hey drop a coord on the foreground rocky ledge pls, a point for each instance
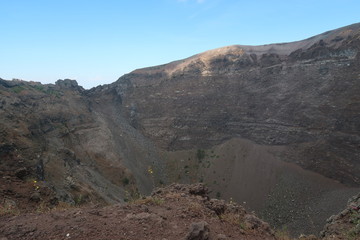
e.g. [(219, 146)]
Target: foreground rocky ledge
[(174, 212)]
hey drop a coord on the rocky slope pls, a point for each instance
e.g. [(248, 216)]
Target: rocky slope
[(79, 147), (346, 224), (291, 102), (275, 127), (174, 212)]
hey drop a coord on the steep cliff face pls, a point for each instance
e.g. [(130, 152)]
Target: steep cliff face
[(302, 95), (77, 146)]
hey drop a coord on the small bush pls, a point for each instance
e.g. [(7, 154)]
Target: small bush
[(17, 89), (39, 88), (218, 195), (79, 199), (13, 211), (200, 154), (354, 232), (234, 219), (283, 234), (125, 181)]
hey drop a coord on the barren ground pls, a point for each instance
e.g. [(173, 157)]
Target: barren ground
[(170, 213)]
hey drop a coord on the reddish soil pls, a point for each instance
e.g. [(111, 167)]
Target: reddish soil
[(174, 212), (24, 195)]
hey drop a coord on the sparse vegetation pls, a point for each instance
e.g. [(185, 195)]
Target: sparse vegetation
[(132, 195), (233, 218), (150, 170), (157, 201), (9, 210), (218, 195), (201, 179), (46, 90), (62, 206), (125, 181), (148, 200), (354, 232), (200, 154), (17, 89), (42, 208), (282, 234), (354, 217), (39, 88), (196, 209), (79, 199)]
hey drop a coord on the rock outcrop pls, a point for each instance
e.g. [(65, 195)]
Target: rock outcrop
[(346, 224)]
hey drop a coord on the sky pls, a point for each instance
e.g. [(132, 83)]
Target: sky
[(97, 41)]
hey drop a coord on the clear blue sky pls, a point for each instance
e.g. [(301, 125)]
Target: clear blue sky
[(97, 41)]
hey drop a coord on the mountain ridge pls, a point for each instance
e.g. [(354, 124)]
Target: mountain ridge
[(286, 48)]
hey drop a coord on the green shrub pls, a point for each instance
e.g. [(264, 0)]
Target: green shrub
[(125, 181), (200, 154), (17, 89), (39, 88)]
